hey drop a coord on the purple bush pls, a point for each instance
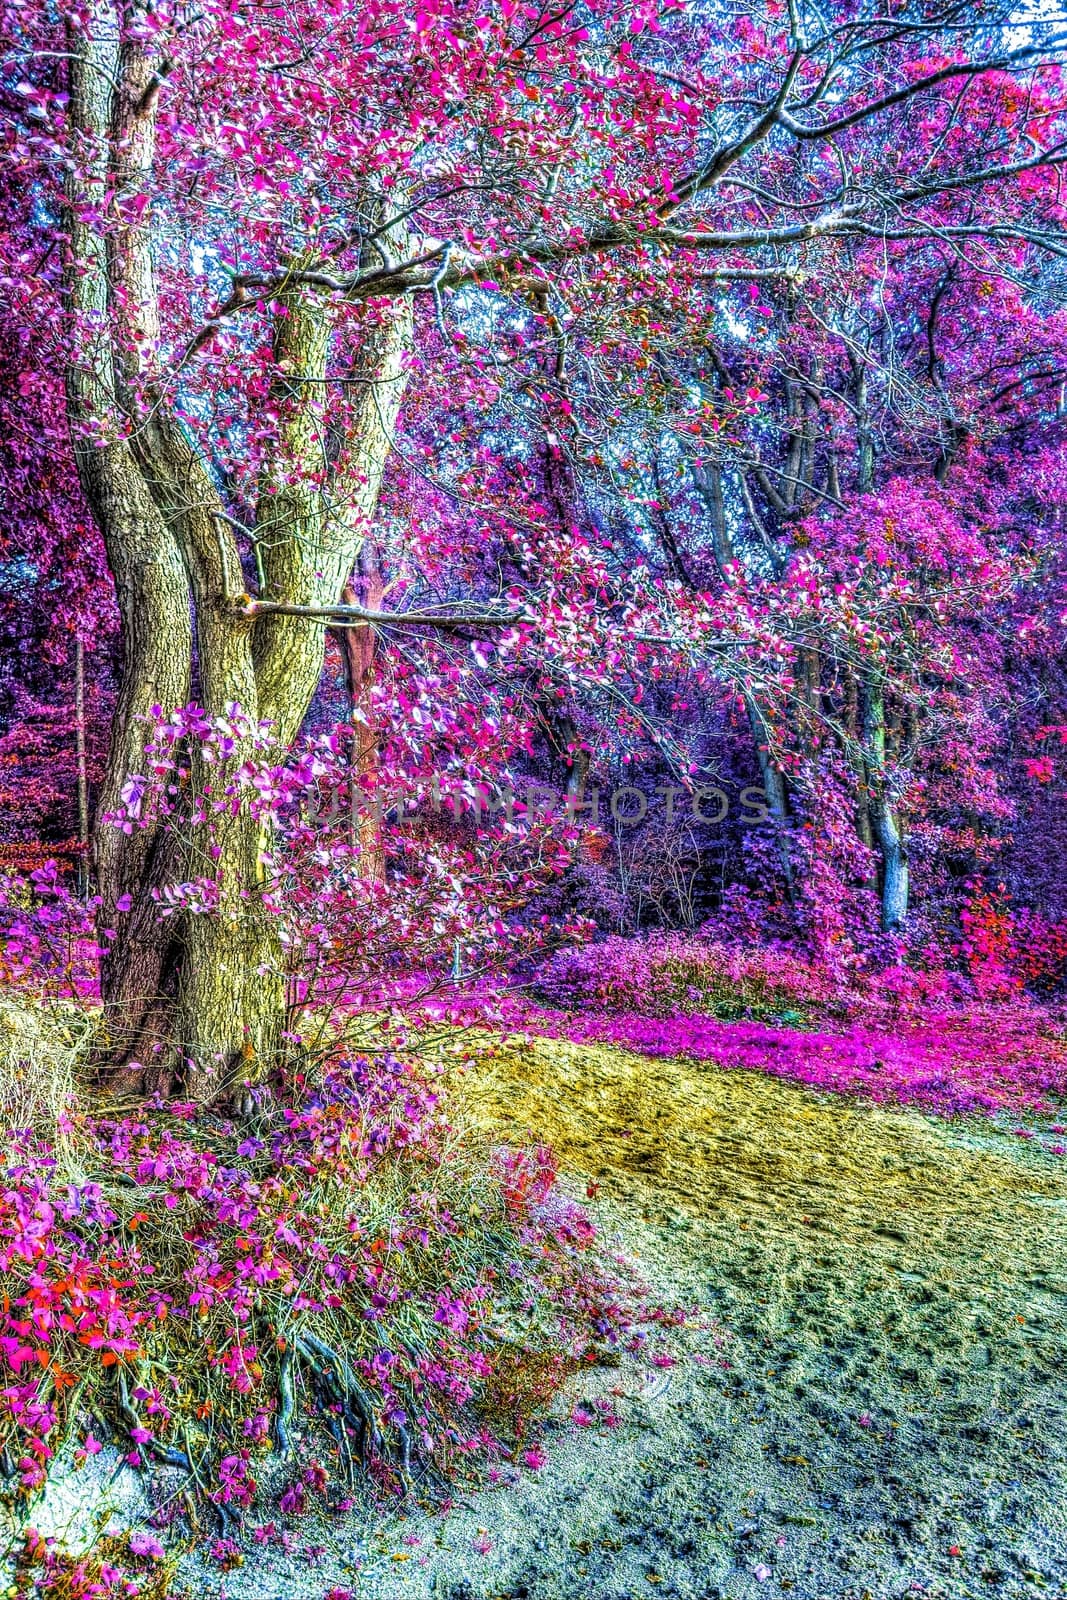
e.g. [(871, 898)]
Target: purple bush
[(676, 974)]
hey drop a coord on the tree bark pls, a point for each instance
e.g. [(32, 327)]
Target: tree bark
[(198, 995), (576, 759), (358, 652), (774, 790), (81, 763), (229, 1017), (150, 581), (884, 822)]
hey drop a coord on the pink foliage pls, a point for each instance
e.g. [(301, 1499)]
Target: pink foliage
[(675, 974), (980, 1061), (930, 1037)]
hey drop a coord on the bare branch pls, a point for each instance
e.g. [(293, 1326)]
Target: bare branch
[(351, 616)]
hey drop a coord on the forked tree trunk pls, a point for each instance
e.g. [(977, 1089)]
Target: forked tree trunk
[(198, 995)]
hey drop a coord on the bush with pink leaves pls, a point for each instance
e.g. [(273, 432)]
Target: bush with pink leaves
[(676, 974)]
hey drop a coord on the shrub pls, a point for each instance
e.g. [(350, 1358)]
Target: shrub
[(1040, 951), (348, 1266), (673, 974), (47, 933), (40, 1046), (114, 1569)]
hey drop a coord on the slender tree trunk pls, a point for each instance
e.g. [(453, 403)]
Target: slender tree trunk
[(82, 768), (864, 436), (896, 875), (774, 790), (358, 652), (707, 481), (885, 825), (710, 487), (833, 475), (857, 761)]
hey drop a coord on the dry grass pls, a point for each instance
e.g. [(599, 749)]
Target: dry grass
[(42, 1044)]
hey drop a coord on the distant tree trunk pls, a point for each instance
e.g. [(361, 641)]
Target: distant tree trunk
[(707, 480), (858, 764), (864, 436), (884, 823), (709, 485), (358, 654), (81, 764), (563, 491), (895, 874), (775, 793)]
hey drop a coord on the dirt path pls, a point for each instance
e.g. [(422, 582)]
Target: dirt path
[(893, 1291), (899, 1288)]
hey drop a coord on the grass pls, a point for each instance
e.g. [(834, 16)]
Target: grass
[(41, 1047)]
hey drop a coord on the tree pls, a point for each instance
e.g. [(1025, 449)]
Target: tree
[(893, 397), (275, 224)]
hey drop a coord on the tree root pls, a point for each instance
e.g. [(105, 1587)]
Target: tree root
[(164, 1453), (347, 1409), (286, 1407), (346, 1389), (184, 1460)]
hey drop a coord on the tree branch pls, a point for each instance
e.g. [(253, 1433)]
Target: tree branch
[(351, 616)]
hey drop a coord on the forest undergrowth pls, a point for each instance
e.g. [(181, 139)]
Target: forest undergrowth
[(342, 1287)]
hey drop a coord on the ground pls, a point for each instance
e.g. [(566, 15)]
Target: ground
[(869, 1399)]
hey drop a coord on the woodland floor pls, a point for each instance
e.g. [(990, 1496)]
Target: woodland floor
[(890, 1291)]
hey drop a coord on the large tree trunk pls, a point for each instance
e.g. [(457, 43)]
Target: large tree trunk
[(139, 962), (82, 764), (202, 995), (230, 1002), (146, 564)]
